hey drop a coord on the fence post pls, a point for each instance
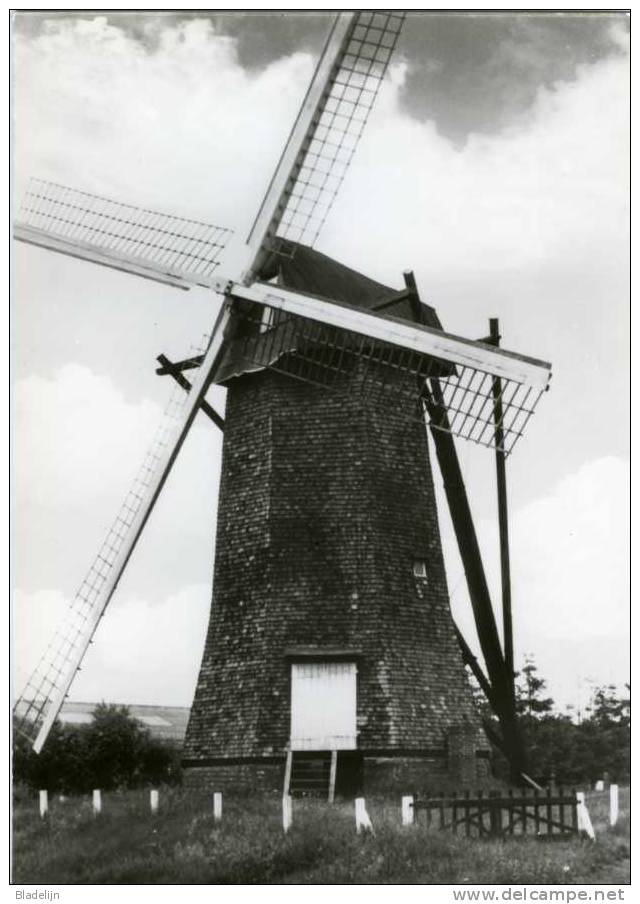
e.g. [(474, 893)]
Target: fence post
[(584, 820), (44, 803), (333, 770), (217, 806), (495, 815), (613, 805), (407, 810), (287, 812), (153, 800), (97, 802), (363, 822)]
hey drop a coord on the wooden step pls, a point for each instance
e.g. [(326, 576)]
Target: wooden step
[(310, 774)]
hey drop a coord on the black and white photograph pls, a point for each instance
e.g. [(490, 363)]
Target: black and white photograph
[(320, 450)]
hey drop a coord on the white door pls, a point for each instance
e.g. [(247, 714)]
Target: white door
[(323, 706)]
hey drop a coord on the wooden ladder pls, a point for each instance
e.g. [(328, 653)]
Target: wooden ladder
[(311, 773)]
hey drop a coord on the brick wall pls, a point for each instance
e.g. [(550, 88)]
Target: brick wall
[(426, 774), (325, 502), (461, 744), (237, 779)]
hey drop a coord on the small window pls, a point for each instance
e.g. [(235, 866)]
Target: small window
[(420, 569)]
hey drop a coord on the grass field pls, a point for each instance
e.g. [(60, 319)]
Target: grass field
[(182, 845)]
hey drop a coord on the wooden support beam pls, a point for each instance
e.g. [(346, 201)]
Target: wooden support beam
[(168, 367), (391, 300), (466, 536), (498, 686), (186, 364), (494, 736), (414, 298), (474, 665), (502, 700), (503, 520)]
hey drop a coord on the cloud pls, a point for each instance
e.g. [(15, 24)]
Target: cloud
[(177, 128), (145, 651), (570, 577), (72, 429), (483, 71), (36, 617), (187, 128), (571, 555), (79, 444), (551, 185)]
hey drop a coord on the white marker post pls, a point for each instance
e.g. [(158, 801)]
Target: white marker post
[(287, 812), (613, 805), (599, 785), (584, 820), (217, 806), (44, 804), (97, 802), (363, 823), (407, 810), (154, 800)]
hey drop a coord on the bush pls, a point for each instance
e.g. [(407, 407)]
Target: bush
[(558, 746), (114, 751)]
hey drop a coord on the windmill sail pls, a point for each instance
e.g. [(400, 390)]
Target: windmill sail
[(45, 692), (158, 246), (326, 132), (318, 340)]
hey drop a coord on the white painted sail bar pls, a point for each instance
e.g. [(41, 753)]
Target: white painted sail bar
[(156, 482), (86, 252), (422, 339), (272, 207), (159, 246), (326, 133)]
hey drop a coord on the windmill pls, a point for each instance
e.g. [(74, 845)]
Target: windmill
[(331, 644)]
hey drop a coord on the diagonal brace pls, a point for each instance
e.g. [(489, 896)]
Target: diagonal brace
[(171, 367), (478, 673), (168, 367)]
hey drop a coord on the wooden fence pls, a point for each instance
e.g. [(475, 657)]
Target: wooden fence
[(551, 813)]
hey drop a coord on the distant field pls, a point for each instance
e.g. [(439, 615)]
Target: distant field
[(182, 845)]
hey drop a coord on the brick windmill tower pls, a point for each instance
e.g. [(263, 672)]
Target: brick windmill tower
[(331, 657)]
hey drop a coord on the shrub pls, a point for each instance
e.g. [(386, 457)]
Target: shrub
[(113, 751)]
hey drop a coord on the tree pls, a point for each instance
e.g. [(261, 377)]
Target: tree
[(113, 751), (560, 747), (529, 689), (116, 743), (607, 708)]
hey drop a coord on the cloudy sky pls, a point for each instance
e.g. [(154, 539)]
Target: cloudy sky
[(495, 166)]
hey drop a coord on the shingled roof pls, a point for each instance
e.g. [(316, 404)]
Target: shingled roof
[(307, 271)]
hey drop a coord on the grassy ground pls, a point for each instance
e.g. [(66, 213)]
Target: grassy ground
[(182, 845)]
